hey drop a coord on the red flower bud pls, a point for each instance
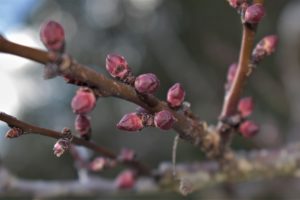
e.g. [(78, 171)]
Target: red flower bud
[(164, 120), (270, 43), (14, 132), (130, 122), (236, 3), (146, 83), (231, 72), (248, 129), (246, 106), (230, 75), (126, 155), (61, 146), (176, 95), (125, 180), (84, 101), (254, 13), (53, 36), (83, 126), (117, 66), (264, 48), (98, 164)]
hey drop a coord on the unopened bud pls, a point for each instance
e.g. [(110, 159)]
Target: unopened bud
[(164, 120), (246, 106), (83, 126), (131, 122), (126, 155), (84, 101), (176, 95), (264, 48), (98, 164), (231, 72), (236, 3), (125, 180), (254, 13), (231, 75), (248, 129), (146, 83), (14, 132), (53, 36), (117, 66), (61, 146)]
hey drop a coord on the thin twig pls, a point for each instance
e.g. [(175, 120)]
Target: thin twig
[(255, 165), (28, 128), (233, 96)]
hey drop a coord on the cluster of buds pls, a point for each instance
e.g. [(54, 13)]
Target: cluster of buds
[(136, 121), (83, 103), (148, 83), (264, 48), (63, 143), (118, 68), (247, 128)]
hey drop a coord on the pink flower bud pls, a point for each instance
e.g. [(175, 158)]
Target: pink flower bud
[(236, 3), (84, 101), (125, 180), (248, 129), (270, 43), (254, 13), (126, 155), (83, 126), (164, 120), (246, 106), (264, 48), (231, 72), (231, 75), (130, 122), (14, 132), (61, 146), (98, 164), (146, 83), (176, 95), (117, 66), (53, 36)]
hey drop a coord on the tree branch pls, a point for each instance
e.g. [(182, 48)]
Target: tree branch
[(255, 165), (189, 129), (28, 128), (233, 96)]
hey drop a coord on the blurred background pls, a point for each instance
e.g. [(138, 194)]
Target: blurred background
[(192, 42)]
